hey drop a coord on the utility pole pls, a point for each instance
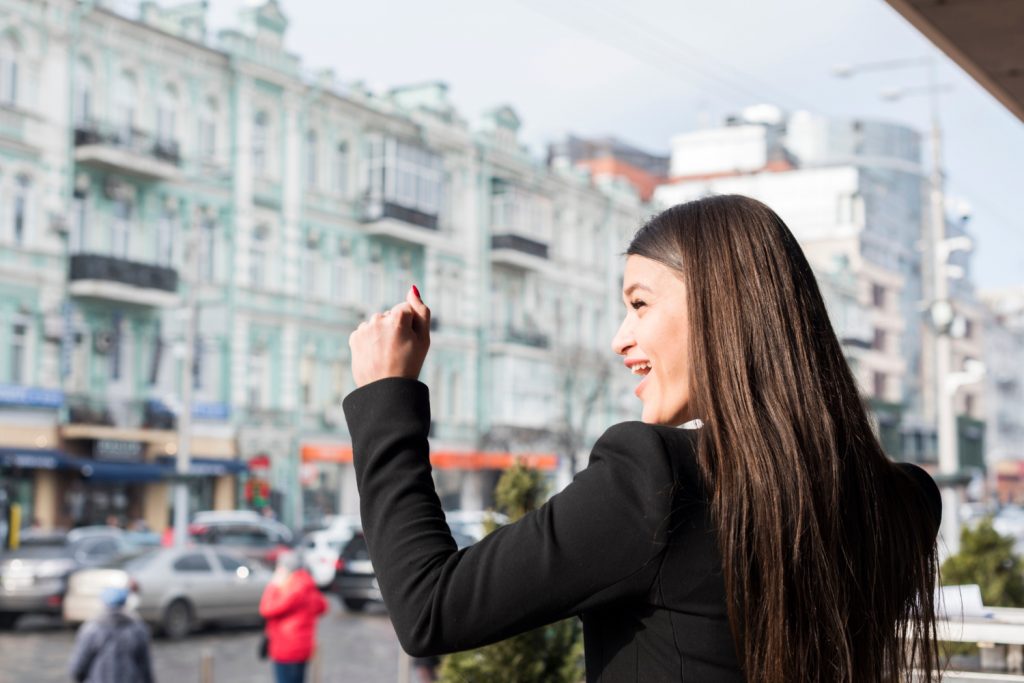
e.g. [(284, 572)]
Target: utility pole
[(937, 249), (184, 457)]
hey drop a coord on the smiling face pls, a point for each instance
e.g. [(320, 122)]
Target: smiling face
[(654, 340)]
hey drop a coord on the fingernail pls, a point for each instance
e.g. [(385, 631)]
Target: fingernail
[(416, 291)]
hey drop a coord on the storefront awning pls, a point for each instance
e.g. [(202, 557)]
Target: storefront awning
[(204, 467), (98, 470)]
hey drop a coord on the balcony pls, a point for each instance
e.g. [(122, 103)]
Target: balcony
[(116, 279), (518, 251), (387, 219), (532, 339), (127, 151)]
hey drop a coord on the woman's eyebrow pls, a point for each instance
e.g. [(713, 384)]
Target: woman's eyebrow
[(636, 285)]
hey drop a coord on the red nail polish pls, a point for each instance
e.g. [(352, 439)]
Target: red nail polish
[(416, 292)]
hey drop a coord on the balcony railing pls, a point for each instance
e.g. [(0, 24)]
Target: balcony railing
[(127, 149), (537, 340), (98, 267), (109, 277), (520, 244), (376, 210)]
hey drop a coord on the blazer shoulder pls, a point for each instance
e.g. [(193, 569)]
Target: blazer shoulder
[(653, 448)]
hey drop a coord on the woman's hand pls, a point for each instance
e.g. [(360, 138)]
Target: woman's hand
[(393, 343)]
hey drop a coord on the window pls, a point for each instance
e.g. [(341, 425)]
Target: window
[(208, 130), (79, 223), (258, 379), (193, 563), (879, 341), (969, 405), (310, 265), (208, 249), (19, 353), (166, 228), (339, 382), (342, 273), (83, 92), (306, 372), (405, 174), (312, 159), (878, 296), (233, 566), (197, 363), (880, 384), (21, 194), (341, 169), (120, 228), (125, 99), (9, 70), (258, 258), (166, 122), (259, 143)]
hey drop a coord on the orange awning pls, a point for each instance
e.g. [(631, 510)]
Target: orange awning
[(321, 452), (489, 460), (444, 460)]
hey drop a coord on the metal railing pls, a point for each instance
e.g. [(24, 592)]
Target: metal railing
[(128, 139)]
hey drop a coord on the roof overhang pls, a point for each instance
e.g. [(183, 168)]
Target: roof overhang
[(985, 37)]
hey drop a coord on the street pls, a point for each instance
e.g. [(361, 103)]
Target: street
[(353, 647)]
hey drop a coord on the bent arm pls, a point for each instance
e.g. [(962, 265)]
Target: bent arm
[(277, 601), (595, 542)]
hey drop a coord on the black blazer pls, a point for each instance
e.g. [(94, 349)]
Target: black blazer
[(628, 546)]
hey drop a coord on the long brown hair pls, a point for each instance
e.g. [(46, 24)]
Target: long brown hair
[(828, 554)]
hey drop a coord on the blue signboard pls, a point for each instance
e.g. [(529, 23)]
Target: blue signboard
[(30, 397)]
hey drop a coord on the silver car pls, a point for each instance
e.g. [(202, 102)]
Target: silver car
[(174, 589)]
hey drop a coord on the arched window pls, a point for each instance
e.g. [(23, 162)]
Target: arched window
[(260, 127), (9, 49), (83, 93)]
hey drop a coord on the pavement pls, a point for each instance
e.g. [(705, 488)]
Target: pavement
[(352, 647)]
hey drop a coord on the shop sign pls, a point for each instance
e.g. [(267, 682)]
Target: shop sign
[(118, 451), (30, 397)]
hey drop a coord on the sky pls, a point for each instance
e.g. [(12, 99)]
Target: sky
[(646, 70)]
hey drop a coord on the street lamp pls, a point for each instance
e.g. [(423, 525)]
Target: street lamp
[(941, 314)]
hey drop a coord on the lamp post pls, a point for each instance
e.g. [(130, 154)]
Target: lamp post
[(184, 459), (937, 250)]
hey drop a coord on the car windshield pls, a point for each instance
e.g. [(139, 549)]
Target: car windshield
[(356, 549)]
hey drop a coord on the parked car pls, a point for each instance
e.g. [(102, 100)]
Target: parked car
[(356, 581), (261, 540), (321, 550), (174, 589), (33, 577)]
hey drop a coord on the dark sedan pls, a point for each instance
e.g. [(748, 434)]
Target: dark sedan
[(355, 581)]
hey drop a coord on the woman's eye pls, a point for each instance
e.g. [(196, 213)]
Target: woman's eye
[(637, 304)]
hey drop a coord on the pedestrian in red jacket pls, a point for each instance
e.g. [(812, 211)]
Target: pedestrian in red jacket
[(291, 605)]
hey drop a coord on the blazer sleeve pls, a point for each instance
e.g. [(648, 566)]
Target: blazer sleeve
[(597, 541)]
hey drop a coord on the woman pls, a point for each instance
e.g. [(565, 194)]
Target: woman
[(291, 604), (774, 543)]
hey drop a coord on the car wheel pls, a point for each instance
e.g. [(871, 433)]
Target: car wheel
[(7, 620), (354, 604), (177, 621)]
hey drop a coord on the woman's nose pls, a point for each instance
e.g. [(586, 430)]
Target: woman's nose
[(623, 339)]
